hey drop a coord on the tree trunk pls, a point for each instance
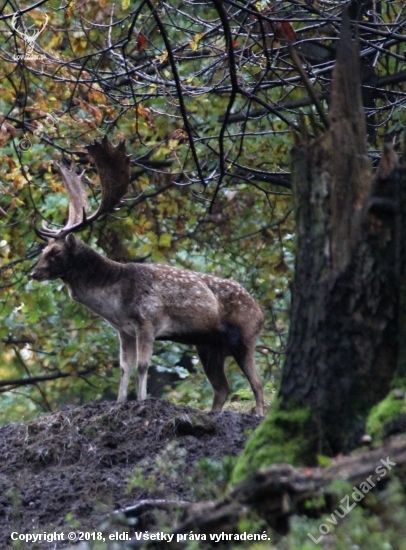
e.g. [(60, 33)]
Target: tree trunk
[(346, 328), (343, 341)]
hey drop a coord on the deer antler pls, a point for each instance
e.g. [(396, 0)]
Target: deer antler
[(113, 167)]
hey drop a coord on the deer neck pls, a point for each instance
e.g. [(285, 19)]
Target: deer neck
[(88, 272)]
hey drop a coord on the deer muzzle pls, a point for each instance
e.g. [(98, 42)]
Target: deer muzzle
[(38, 274)]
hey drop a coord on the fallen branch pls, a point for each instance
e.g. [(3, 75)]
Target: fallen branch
[(280, 490)]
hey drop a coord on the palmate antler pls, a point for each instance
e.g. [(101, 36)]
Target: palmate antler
[(113, 167)]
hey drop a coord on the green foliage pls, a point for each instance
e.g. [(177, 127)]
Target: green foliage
[(169, 462), (377, 524), (211, 477), (209, 480), (194, 391)]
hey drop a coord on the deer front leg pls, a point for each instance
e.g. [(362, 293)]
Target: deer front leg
[(145, 345), (128, 358)]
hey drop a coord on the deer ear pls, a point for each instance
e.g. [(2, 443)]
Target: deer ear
[(70, 240)]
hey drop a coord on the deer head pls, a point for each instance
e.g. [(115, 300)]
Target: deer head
[(29, 39), (113, 167)]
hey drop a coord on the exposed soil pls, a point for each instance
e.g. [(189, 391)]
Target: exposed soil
[(70, 470)]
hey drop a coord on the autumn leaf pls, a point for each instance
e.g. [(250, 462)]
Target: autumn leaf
[(165, 240), (14, 203), (90, 123), (6, 127), (141, 42), (146, 114), (163, 56), (195, 42), (79, 43), (96, 97), (180, 135), (4, 134), (285, 31)]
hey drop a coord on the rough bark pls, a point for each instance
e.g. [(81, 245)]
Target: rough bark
[(343, 343)]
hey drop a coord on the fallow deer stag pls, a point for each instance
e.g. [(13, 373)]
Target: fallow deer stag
[(144, 301)]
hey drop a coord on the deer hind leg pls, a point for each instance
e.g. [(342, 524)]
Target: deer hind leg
[(128, 358), (245, 356), (212, 358)]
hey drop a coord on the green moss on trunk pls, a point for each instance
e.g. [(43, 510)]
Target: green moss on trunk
[(383, 413), (283, 436)]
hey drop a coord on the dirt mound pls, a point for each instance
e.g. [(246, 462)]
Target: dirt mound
[(69, 470)]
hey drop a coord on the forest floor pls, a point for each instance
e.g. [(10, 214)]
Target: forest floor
[(70, 471)]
